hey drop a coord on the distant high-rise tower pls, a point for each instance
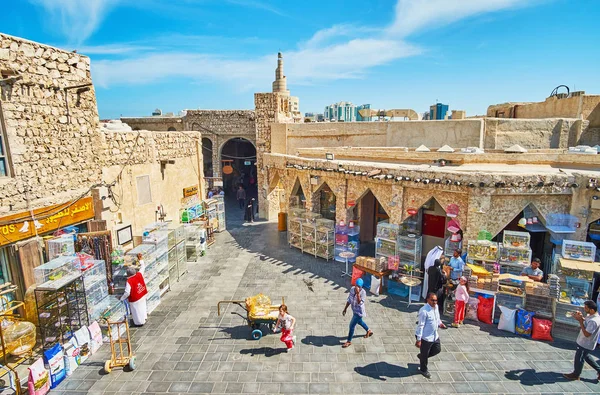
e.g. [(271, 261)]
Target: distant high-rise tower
[(280, 83)]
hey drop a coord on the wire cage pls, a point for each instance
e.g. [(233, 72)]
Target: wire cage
[(561, 223), (61, 246)]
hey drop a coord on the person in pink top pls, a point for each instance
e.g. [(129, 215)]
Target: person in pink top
[(461, 297)]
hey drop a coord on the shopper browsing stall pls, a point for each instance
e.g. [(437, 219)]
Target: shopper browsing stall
[(534, 272), (141, 263), (356, 299), (586, 340), (135, 293), (428, 339), (461, 297), (457, 265)]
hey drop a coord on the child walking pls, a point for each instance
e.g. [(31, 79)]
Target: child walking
[(286, 322), (461, 296)]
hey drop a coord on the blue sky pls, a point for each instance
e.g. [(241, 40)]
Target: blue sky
[(214, 54)]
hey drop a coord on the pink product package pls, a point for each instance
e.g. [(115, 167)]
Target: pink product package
[(39, 379), (95, 337)]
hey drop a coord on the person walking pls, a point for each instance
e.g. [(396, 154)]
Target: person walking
[(586, 340), (428, 339), (287, 323), (241, 196), (356, 299), (135, 293), (249, 214), (461, 298)]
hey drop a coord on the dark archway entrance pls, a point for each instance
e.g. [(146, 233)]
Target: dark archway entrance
[(242, 153), (368, 213), (207, 154)]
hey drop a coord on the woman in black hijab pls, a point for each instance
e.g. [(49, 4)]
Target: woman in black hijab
[(437, 279), (249, 214)]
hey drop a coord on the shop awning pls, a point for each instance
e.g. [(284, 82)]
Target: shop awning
[(579, 265)]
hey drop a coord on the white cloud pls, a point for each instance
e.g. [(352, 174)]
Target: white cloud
[(112, 49), (339, 52), (415, 15), (77, 19), (261, 5)]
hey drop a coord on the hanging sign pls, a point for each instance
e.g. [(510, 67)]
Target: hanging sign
[(351, 203), (247, 163), (62, 215), (190, 191)]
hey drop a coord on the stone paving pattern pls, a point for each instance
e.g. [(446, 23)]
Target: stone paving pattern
[(185, 347)]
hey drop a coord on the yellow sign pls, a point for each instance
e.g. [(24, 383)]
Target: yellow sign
[(61, 215), (190, 191)]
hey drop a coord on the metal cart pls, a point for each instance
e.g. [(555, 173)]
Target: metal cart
[(120, 346), (255, 322)]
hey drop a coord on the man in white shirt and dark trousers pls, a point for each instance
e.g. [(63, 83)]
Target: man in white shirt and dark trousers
[(586, 340), (428, 339)]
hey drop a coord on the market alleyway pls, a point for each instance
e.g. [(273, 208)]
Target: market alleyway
[(186, 348)]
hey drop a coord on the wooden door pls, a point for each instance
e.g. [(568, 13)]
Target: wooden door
[(367, 218), (29, 256)]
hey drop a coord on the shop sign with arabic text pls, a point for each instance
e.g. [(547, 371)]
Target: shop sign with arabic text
[(62, 215)]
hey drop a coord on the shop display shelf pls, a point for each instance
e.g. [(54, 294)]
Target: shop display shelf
[(61, 246), (562, 312), (325, 225), (575, 288), (61, 312), (579, 250), (147, 251), (172, 257), (173, 274), (180, 247), (388, 231), (114, 311), (296, 213), (541, 305), (514, 255), (451, 246), (179, 231), (57, 273), (182, 267), (385, 247), (481, 250), (152, 301), (513, 239), (311, 218)]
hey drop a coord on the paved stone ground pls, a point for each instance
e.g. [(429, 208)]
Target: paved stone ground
[(187, 348)]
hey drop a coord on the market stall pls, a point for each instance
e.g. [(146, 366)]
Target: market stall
[(575, 276), (220, 213), (347, 242)]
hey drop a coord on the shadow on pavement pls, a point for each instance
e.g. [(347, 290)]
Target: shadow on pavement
[(529, 377), (381, 370), (266, 351), (321, 341)]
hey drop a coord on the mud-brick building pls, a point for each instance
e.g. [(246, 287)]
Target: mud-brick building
[(61, 171)]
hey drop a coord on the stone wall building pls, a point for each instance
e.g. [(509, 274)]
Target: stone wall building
[(60, 169), (495, 170), (156, 123)]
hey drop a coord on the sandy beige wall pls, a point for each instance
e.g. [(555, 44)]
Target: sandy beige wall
[(167, 191), (461, 133)]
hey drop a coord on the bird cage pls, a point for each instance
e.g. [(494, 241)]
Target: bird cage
[(61, 246), (484, 235)]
